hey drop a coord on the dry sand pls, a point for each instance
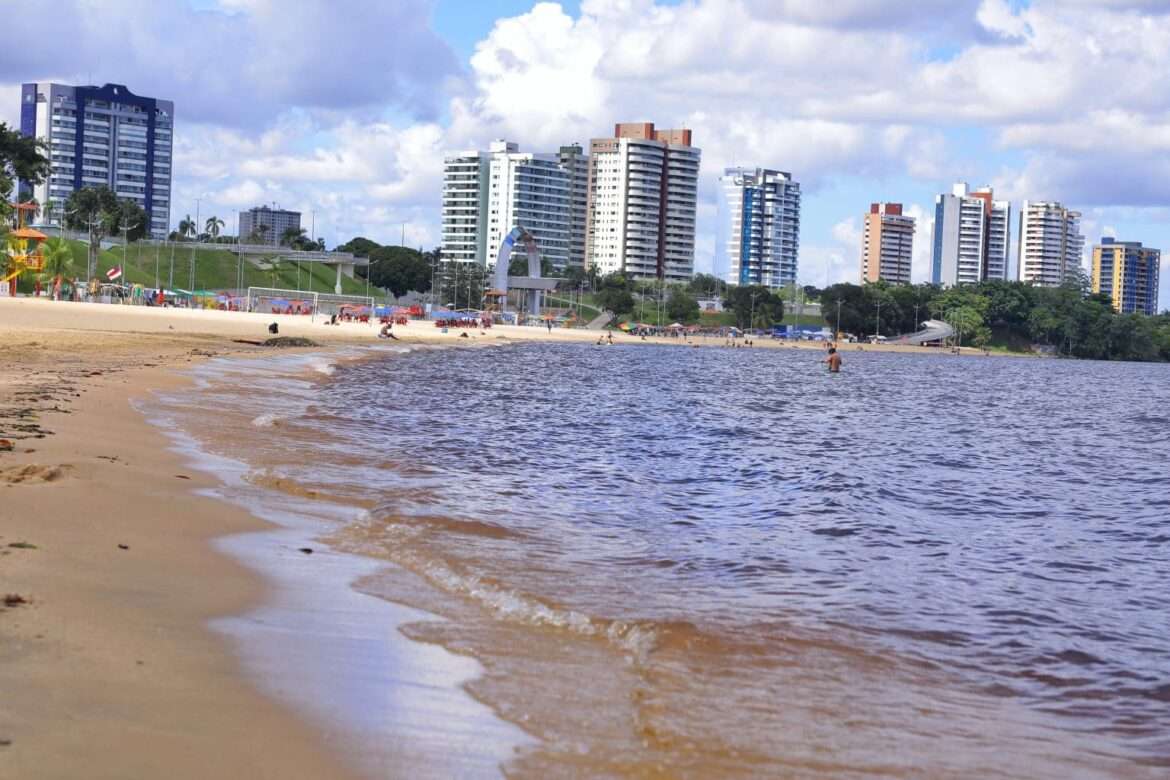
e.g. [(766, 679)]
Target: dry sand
[(107, 577)]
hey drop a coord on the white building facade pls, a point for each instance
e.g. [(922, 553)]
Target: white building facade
[(643, 192), (971, 237), (758, 238), (1051, 244), (486, 194), (102, 136)]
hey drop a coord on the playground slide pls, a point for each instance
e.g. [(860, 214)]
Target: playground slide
[(932, 330)]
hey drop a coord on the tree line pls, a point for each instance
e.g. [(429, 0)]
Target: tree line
[(1068, 320)]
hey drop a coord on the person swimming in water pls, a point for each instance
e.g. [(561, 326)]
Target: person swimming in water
[(834, 361)]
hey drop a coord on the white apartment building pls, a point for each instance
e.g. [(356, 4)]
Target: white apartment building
[(486, 194), (102, 136), (643, 190), (1051, 243), (265, 225), (758, 235), (971, 232)]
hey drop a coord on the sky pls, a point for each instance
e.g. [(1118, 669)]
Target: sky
[(344, 109)]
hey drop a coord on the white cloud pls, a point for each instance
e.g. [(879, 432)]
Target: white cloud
[(348, 113)]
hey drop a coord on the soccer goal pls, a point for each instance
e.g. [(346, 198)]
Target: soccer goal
[(273, 300), (329, 303)]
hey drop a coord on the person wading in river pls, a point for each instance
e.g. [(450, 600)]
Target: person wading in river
[(834, 361)]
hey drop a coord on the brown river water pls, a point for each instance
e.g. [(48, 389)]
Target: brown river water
[(678, 562)]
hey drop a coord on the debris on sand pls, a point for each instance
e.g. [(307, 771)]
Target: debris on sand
[(306, 550), (290, 341), (14, 600)]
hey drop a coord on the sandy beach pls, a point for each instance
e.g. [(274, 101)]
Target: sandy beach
[(106, 661)]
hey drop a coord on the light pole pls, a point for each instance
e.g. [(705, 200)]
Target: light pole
[(752, 316), (878, 320), (125, 243)]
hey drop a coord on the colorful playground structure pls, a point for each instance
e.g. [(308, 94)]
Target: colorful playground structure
[(24, 248)]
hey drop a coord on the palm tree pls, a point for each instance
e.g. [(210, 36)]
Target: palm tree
[(292, 236), (58, 262), (187, 227), (213, 226), (275, 264)]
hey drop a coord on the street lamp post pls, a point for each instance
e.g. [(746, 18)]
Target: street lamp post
[(837, 335), (752, 315), (126, 243), (878, 320)]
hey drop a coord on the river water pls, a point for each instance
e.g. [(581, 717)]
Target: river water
[(727, 562)]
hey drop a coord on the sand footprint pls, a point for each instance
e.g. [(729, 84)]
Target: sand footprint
[(32, 473)]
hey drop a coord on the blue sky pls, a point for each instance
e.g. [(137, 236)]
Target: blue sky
[(861, 100)]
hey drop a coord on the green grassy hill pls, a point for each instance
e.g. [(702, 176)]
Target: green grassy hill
[(215, 269)]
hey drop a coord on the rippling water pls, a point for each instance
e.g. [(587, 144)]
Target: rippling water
[(709, 561)]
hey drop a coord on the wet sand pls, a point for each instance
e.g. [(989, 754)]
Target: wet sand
[(108, 669), (135, 643)]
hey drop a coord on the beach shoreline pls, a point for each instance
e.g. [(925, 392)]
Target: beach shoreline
[(109, 668), (111, 665), (131, 648)]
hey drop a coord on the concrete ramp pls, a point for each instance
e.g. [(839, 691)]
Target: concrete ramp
[(932, 330), (600, 321)]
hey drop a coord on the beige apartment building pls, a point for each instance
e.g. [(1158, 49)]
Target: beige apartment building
[(887, 244)]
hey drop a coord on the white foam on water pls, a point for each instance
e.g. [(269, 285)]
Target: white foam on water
[(266, 420)]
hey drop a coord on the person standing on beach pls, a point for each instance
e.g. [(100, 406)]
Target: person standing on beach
[(834, 361)]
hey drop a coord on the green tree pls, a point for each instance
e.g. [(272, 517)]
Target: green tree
[(399, 270), (293, 236), (58, 257), (187, 227), (518, 266), (132, 217), (616, 299), (95, 210), (754, 306), (213, 226), (707, 286), (21, 158), (854, 307), (574, 276), (681, 306), (359, 246), (276, 265)]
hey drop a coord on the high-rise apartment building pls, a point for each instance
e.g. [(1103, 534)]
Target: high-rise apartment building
[(887, 244), (971, 237), (1127, 272), (759, 227), (486, 194), (102, 136), (576, 164), (264, 225), (643, 192), (1051, 243)]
